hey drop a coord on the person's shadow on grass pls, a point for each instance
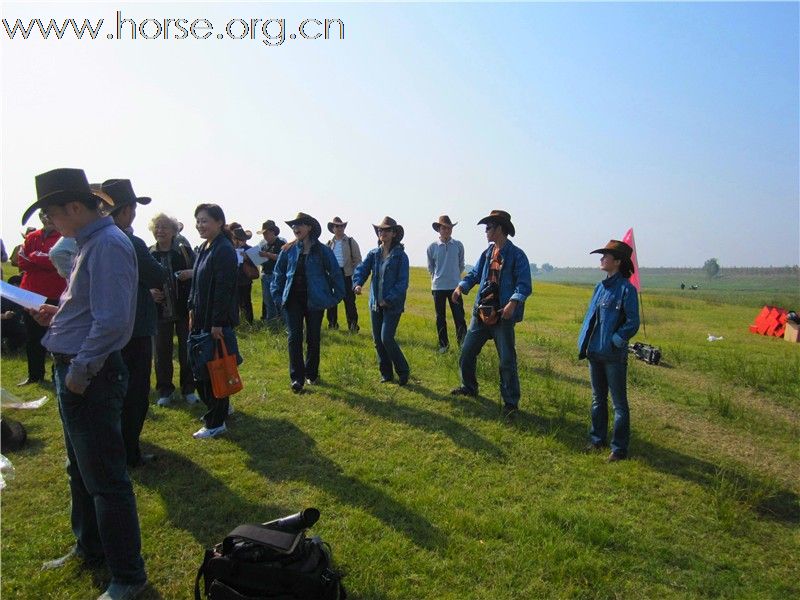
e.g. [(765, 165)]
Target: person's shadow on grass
[(282, 452)]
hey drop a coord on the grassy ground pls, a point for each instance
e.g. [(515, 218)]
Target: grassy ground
[(428, 496)]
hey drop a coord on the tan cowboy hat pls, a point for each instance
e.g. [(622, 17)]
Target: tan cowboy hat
[(390, 222), (336, 221), (443, 220), (501, 217), (619, 250), (269, 225), (304, 219)]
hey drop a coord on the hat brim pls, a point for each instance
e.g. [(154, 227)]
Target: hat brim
[(494, 219), (316, 228), (58, 197), (436, 225), (331, 225), (399, 232), (274, 230)]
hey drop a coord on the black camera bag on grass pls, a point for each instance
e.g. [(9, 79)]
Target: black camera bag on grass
[(259, 562)]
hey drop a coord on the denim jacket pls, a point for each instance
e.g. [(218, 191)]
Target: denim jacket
[(395, 279), (616, 304), (515, 277), (324, 278)]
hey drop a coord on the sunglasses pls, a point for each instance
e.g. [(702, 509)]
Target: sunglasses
[(385, 229), (490, 226)]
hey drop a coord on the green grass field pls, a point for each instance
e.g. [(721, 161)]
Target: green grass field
[(424, 495)]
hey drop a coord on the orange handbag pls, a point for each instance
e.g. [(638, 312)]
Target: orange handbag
[(225, 379)]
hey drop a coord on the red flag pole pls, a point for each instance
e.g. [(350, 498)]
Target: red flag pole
[(635, 281)]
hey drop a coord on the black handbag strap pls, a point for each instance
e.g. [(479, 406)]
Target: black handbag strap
[(279, 541)]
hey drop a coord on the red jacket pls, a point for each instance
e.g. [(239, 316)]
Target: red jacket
[(40, 275)]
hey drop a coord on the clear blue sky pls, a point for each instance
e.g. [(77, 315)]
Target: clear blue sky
[(582, 120)]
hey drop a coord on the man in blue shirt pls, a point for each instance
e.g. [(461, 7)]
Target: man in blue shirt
[(85, 335), (446, 264), (504, 275)]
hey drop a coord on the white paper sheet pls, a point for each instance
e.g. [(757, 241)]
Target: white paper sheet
[(252, 254), (22, 297)]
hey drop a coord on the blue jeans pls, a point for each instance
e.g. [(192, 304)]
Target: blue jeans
[(611, 375), (504, 340), (104, 517), (269, 311), (294, 314), (384, 327)]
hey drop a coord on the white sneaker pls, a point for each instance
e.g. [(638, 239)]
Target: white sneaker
[(164, 401), (205, 432), (191, 398), (230, 408)]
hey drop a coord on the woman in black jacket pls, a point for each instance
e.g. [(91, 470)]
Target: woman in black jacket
[(212, 303)]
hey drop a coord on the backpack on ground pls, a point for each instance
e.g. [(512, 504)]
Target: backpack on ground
[(12, 435), (271, 561)]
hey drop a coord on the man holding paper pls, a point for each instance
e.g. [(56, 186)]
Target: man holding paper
[(85, 336)]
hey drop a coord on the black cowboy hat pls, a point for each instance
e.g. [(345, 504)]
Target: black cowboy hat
[(399, 232), (501, 217), (619, 250), (336, 221), (443, 220), (121, 192), (59, 186), (269, 225), (304, 219), (239, 232)]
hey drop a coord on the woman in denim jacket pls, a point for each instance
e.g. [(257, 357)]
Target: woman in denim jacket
[(611, 321), (306, 280), (388, 264)]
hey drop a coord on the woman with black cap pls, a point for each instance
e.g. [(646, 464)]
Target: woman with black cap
[(306, 280), (388, 264), (611, 321)]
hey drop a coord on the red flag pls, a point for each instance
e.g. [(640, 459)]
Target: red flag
[(628, 239)]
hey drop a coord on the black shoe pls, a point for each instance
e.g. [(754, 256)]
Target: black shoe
[(616, 457), (315, 381), (354, 328), (297, 387), (387, 379), (73, 556), (402, 379), (29, 381), (509, 411), (593, 447), (144, 459), (333, 326), (462, 391)]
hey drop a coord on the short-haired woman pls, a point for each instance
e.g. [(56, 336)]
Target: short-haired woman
[(213, 304), (173, 313), (611, 321), (388, 265), (306, 280)]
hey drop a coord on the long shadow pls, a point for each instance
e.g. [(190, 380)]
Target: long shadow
[(419, 418), (478, 406), (198, 502), (777, 504), (282, 452)]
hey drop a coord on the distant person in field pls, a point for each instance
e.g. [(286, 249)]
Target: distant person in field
[(446, 264), (388, 265), (611, 321), (503, 274), (348, 255), (244, 283), (306, 280), (269, 248)]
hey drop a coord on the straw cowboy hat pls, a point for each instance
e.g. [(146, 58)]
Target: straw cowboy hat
[(619, 250), (304, 219), (500, 217), (399, 232), (443, 220), (336, 221)]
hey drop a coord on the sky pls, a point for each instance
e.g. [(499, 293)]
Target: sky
[(679, 120)]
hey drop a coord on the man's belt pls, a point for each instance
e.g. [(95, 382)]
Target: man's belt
[(62, 359)]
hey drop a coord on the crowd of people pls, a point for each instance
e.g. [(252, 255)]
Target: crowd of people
[(115, 306)]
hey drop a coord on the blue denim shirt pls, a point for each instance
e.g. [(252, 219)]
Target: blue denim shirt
[(395, 279), (612, 319), (324, 277), (515, 277)]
